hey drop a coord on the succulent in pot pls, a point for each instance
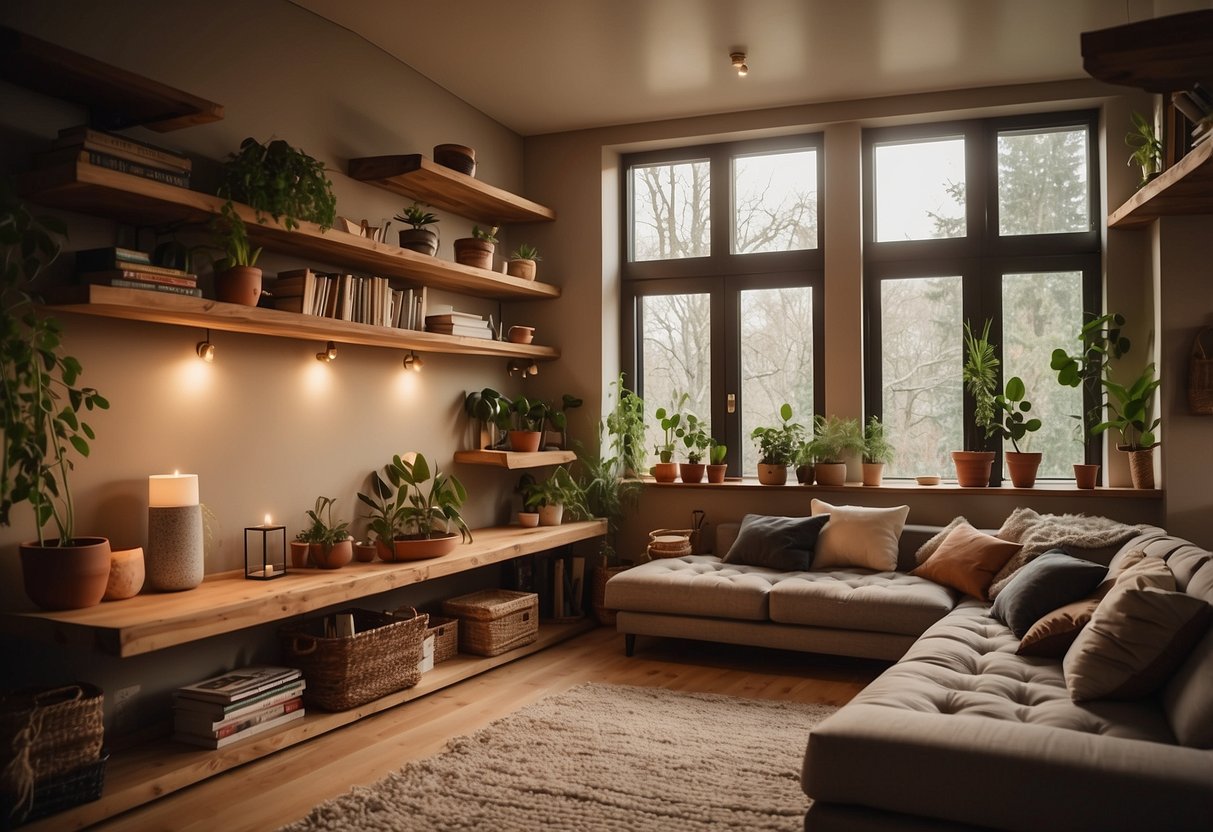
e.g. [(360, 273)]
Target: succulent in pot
[(522, 262), (329, 543), (477, 250), (418, 237)]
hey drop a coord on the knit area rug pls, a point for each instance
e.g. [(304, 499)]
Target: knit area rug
[(603, 758)]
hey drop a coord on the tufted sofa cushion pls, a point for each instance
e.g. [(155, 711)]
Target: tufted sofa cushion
[(859, 599), (695, 585)]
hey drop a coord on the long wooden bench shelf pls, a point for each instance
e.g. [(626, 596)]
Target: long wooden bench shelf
[(102, 192), (158, 768), (1184, 188), (226, 602), (426, 181), (182, 310), (114, 97), (515, 459)]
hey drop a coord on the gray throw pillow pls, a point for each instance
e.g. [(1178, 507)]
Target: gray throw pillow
[(1052, 580), (783, 543)]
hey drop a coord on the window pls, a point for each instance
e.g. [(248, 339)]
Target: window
[(967, 222), (722, 284)]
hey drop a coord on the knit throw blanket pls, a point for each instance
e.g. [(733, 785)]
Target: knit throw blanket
[(1073, 532)]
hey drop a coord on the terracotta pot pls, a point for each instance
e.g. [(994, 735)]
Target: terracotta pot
[(528, 519), (520, 334), (1085, 475), (299, 554), (420, 548), (873, 473), (716, 472), (332, 557), (665, 471), (772, 474), (525, 440), (364, 552), (239, 284), (830, 473), (66, 577), (804, 474), (1022, 466), (476, 253), (522, 268), (1141, 467), (126, 575), (551, 515), (691, 472), (973, 468), (420, 240), (458, 157)]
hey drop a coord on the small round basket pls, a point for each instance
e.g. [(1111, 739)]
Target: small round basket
[(669, 543)]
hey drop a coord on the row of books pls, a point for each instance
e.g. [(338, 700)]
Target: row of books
[(120, 153), (560, 582), (1196, 105), (237, 705), (347, 297), (132, 269)]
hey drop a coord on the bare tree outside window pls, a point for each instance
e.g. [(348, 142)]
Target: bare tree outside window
[(671, 211), (775, 202), (677, 357)]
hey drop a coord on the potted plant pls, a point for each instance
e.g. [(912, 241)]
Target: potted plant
[(833, 438), (625, 424), (558, 418), (417, 237), (717, 467), (41, 425), (237, 278), (477, 250), (522, 262), (329, 544), (803, 461), (528, 417), (278, 180), (1131, 409), (695, 436), (493, 411), (1015, 425), (409, 522), (666, 470), (877, 451), (1147, 149), (777, 447), (554, 496), (980, 375)]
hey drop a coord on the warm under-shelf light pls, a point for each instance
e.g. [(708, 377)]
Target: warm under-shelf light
[(413, 362), (205, 349), (329, 354)]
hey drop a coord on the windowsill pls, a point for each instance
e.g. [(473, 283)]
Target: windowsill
[(1049, 489)]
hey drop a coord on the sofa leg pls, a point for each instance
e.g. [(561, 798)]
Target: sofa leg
[(629, 644)]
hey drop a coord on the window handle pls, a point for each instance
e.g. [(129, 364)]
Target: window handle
[(731, 403)]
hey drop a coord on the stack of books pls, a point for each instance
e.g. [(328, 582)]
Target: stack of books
[(237, 705), (347, 297), (125, 155), (458, 323), (1197, 106), (131, 269)]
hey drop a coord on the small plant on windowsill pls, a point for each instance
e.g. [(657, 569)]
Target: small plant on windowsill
[(1014, 424), (717, 467), (877, 451), (777, 447), (980, 375), (695, 437), (667, 470), (833, 439)]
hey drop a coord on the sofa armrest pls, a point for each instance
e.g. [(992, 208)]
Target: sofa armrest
[(1005, 775)]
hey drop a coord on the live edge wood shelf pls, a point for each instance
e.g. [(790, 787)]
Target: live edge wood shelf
[(227, 602), (515, 460)]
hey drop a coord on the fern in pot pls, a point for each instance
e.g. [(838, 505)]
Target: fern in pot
[(877, 451), (834, 438)]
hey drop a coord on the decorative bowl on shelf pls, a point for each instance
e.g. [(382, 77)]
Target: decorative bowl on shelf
[(933, 479), (456, 157)]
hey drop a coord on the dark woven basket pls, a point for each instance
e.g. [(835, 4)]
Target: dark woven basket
[(342, 673), (59, 793)]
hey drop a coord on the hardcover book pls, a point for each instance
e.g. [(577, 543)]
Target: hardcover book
[(239, 684), (252, 731)]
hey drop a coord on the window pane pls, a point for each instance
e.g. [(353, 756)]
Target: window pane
[(671, 216), (776, 362), (775, 202), (676, 355), (1042, 182), (920, 190), (922, 402), (1041, 312)]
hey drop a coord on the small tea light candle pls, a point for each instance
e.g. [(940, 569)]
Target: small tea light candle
[(172, 490), (269, 567), (268, 522)]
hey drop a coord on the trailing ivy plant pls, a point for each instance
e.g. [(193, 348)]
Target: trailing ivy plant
[(278, 180), (41, 402)]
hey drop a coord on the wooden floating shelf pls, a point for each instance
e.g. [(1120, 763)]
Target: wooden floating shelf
[(1184, 188), (426, 181), (182, 310), (143, 774), (227, 602), (115, 98), (102, 192), (515, 459), (1160, 55)]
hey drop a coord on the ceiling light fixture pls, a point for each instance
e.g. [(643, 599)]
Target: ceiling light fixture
[(739, 64), (413, 362), (205, 349), (329, 354)]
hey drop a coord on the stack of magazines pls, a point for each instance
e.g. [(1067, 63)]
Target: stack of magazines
[(236, 705)]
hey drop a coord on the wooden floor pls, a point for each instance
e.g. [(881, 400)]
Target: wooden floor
[(285, 786)]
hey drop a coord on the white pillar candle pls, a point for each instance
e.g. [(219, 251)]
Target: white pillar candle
[(172, 490)]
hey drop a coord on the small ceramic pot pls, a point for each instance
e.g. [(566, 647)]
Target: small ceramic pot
[(420, 240), (364, 552), (522, 268), (470, 251), (521, 334), (716, 472), (528, 519), (691, 472), (665, 471), (239, 284), (526, 441)]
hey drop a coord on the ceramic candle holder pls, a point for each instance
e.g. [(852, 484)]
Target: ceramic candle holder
[(174, 557)]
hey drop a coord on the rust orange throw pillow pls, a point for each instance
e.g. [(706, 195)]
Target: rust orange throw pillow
[(967, 560)]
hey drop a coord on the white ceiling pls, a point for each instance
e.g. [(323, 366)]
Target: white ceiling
[(541, 66)]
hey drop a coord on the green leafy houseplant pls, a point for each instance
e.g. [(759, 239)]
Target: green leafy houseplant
[(487, 235), (877, 449), (558, 415), (526, 251), (1102, 342), (777, 445), (1013, 404), (418, 237), (402, 508), (493, 410), (416, 216), (980, 376), (669, 421), (717, 453), (322, 529), (529, 415), (278, 180), (625, 426), (695, 437), (834, 437), (232, 235), (1131, 410), (1147, 149), (41, 402), (558, 489)]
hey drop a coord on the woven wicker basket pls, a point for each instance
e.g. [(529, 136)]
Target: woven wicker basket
[(446, 637), (494, 620), (342, 673), (1200, 374), (669, 543)]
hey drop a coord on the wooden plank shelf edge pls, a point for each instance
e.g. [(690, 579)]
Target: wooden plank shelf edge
[(1184, 188), (515, 459)]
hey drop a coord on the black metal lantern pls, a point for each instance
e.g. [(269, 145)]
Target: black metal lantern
[(264, 551)]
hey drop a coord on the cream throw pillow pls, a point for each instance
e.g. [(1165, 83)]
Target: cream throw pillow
[(1138, 635), (859, 536)]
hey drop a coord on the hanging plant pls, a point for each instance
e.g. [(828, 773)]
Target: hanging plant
[(278, 180)]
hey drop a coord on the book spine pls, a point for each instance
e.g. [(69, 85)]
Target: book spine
[(119, 283), (272, 712), (102, 160), (184, 279), (124, 147)]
